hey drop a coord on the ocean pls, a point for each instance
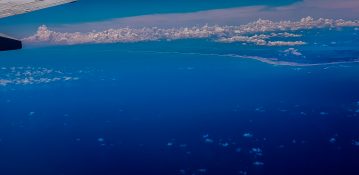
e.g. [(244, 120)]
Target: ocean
[(158, 109)]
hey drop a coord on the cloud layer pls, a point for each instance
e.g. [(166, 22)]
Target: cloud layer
[(257, 32), (31, 75), (333, 9)]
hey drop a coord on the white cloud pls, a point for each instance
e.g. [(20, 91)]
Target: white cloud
[(285, 43), (30, 75), (292, 51), (334, 9), (237, 33)]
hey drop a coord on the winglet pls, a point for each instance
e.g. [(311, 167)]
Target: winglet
[(8, 43), (15, 7)]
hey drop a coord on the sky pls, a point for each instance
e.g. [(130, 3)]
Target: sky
[(89, 15), (94, 10)]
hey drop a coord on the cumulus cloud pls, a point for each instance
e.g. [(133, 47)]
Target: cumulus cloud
[(254, 32), (292, 51), (285, 43), (30, 75), (334, 9), (260, 39)]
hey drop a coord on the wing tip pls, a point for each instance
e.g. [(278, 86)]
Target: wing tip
[(9, 43)]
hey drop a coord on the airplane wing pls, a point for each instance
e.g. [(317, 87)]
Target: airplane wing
[(16, 7)]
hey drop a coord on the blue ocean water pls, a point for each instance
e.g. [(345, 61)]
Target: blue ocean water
[(172, 108)]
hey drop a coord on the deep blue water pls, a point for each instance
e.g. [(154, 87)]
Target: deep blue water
[(123, 112)]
